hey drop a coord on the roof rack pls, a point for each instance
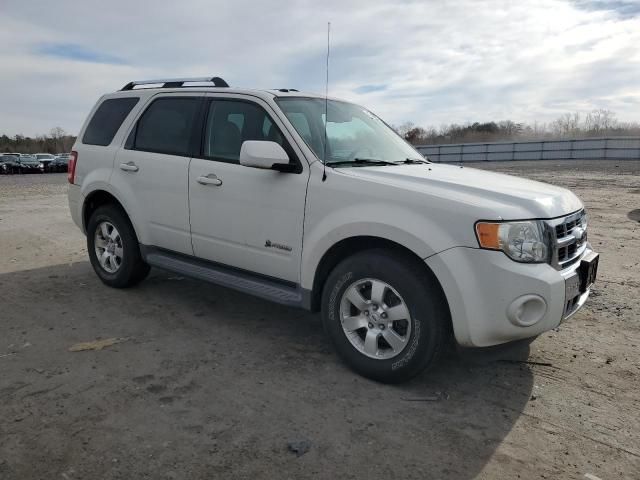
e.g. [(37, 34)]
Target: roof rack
[(177, 82), (285, 90)]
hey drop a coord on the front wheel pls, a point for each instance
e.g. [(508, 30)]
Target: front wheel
[(386, 316), (113, 248)]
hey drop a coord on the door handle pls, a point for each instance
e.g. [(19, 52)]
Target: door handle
[(210, 179), (129, 167)]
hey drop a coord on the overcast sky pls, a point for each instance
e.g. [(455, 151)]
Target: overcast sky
[(430, 62)]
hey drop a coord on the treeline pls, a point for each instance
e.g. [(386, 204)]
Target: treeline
[(57, 141), (597, 123)]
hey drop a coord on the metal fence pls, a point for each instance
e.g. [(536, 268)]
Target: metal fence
[(619, 148)]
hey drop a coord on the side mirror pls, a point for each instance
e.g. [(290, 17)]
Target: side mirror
[(263, 154)]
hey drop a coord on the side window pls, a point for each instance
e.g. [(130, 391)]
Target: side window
[(166, 126), (107, 120), (229, 123)]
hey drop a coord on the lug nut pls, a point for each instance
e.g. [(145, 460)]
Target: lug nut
[(383, 314), (381, 326), (375, 307), (370, 325), (366, 313)]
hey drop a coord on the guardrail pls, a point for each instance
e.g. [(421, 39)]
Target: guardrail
[(618, 148)]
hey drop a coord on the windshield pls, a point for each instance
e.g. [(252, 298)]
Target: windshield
[(353, 133)]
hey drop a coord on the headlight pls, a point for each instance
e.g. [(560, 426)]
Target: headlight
[(41, 165), (521, 241)]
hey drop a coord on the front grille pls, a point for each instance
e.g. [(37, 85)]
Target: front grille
[(568, 239)]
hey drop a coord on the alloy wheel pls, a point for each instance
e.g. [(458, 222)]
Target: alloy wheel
[(375, 318), (108, 247)]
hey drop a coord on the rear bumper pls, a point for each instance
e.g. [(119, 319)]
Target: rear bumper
[(487, 294), (76, 202)]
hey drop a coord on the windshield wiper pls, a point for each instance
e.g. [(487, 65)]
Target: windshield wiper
[(412, 161), (361, 161)]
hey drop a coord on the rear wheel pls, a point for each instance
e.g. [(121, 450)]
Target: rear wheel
[(386, 317), (113, 248)]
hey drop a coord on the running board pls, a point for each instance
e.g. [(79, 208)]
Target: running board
[(242, 281)]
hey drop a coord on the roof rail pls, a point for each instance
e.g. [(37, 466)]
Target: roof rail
[(285, 90), (177, 82)]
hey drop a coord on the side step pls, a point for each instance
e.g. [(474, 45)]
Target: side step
[(225, 276)]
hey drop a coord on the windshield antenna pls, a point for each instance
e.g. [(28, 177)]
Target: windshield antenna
[(326, 108)]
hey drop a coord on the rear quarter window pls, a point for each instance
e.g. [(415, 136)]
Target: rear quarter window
[(107, 120)]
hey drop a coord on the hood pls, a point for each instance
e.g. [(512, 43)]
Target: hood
[(496, 195)]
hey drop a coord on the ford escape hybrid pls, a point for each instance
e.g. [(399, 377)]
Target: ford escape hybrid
[(240, 188)]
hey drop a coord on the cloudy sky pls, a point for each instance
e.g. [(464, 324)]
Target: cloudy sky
[(431, 62)]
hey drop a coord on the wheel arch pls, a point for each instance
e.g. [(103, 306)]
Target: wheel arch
[(98, 198), (356, 244)]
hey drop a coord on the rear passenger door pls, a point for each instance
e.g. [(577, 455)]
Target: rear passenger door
[(151, 171), (244, 217)]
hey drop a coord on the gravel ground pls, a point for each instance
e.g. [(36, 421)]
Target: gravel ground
[(210, 383)]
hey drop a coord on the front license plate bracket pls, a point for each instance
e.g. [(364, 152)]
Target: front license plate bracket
[(588, 271)]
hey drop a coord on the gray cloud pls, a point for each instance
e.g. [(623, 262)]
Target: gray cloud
[(623, 8), (429, 62)]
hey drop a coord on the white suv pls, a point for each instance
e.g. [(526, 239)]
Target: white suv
[(249, 190)]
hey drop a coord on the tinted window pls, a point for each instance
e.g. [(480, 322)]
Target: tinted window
[(166, 126), (107, 120), (231, 123)]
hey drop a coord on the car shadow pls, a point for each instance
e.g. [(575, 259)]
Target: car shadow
[(208, 381)]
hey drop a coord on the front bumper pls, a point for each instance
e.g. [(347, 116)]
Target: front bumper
[(486, 290)]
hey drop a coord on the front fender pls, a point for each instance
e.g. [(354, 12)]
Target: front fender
[(381, 220)]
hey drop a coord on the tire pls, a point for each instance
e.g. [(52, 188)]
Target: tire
[(424, 333), (130, 269)]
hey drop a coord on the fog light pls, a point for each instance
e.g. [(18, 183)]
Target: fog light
[(527, 310)]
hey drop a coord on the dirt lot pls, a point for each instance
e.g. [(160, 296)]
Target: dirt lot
[(210, 383)]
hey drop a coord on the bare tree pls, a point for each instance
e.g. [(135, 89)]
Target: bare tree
[(567, 125), (404, 128), (600, 121)]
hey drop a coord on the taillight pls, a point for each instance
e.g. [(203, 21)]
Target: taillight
[(71, 170)]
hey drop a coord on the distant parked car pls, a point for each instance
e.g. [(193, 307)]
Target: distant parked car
[(9, 164), (59, 164), (45, 159), (30, 164)]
